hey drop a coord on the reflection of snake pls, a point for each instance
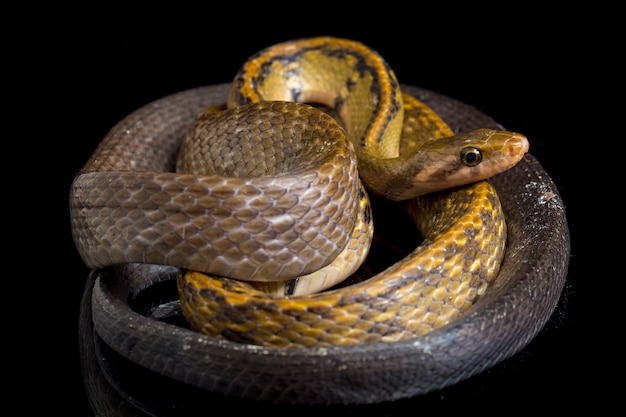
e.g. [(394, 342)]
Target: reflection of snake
[(156, 360)]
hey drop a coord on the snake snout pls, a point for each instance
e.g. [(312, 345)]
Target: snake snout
[(517, 146)]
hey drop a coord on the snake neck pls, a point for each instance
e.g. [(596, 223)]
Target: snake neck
[(344, 75)]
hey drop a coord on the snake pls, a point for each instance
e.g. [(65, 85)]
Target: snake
[(202, 226), (468, 217), (254, 212), (138, 351)]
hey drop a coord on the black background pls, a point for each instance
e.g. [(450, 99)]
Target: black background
[(523, 69)]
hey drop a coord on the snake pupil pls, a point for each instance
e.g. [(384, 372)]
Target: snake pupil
[(471, 156)]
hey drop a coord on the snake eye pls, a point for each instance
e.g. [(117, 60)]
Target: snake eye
[(471, 156)]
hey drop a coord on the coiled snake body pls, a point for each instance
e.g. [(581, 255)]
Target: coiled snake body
[(129, 206), (294, 223)]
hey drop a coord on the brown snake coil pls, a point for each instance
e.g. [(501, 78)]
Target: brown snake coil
[(137, 356)]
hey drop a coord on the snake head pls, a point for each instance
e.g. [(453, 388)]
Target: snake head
[(445, 163), (468, 157)]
